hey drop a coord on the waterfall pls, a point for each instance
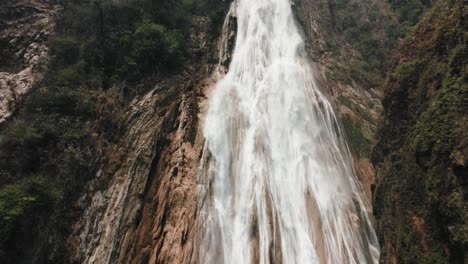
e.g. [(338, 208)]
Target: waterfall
[(277, 175)]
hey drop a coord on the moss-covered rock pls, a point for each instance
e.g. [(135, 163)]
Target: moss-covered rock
[(422, 151)]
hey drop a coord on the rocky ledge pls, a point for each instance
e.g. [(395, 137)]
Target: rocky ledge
[(24, 34)]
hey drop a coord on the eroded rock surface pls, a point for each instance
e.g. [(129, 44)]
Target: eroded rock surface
[(143, 210), (24, 32), (358, 106)]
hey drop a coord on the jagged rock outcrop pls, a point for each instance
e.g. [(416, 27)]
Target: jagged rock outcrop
[(24, 33)]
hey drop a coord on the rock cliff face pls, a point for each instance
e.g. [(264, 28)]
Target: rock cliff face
[(420, 197), (24, 33), (142, 207), (338, 57), (144, 210)]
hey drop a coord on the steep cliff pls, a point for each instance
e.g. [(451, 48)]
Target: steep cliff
[(121, 105), (142, 205), (422, 152), (350, 42), (118, 105), (99, 163)]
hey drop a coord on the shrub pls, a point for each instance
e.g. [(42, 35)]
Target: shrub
[(61, 100), (410, 10), (155, 46), (358, 142), (20, 199), (21, 134), (73, 74), (17, 149), (65, 51)]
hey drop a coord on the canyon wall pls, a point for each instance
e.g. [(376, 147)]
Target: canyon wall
[(142, 207), (134, 195), (420, 198), (145, 209)]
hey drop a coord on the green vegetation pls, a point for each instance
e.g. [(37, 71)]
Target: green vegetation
[(154, 47), (105, 53), (22, 199), (359, 135), (420, 198), (410, 11), (356, 139), (374, 31), (362, 24), (105, 43), (363, 113), (46, 155)]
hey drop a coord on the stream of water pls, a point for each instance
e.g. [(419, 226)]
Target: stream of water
[(279, 182)]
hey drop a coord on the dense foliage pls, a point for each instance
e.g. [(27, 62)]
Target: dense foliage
[(409, 11), (364, 25), (109, 42), (372, 29), (421, 192), (102, 55)]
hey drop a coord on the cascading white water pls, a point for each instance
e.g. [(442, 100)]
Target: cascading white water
[(279, 183)]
